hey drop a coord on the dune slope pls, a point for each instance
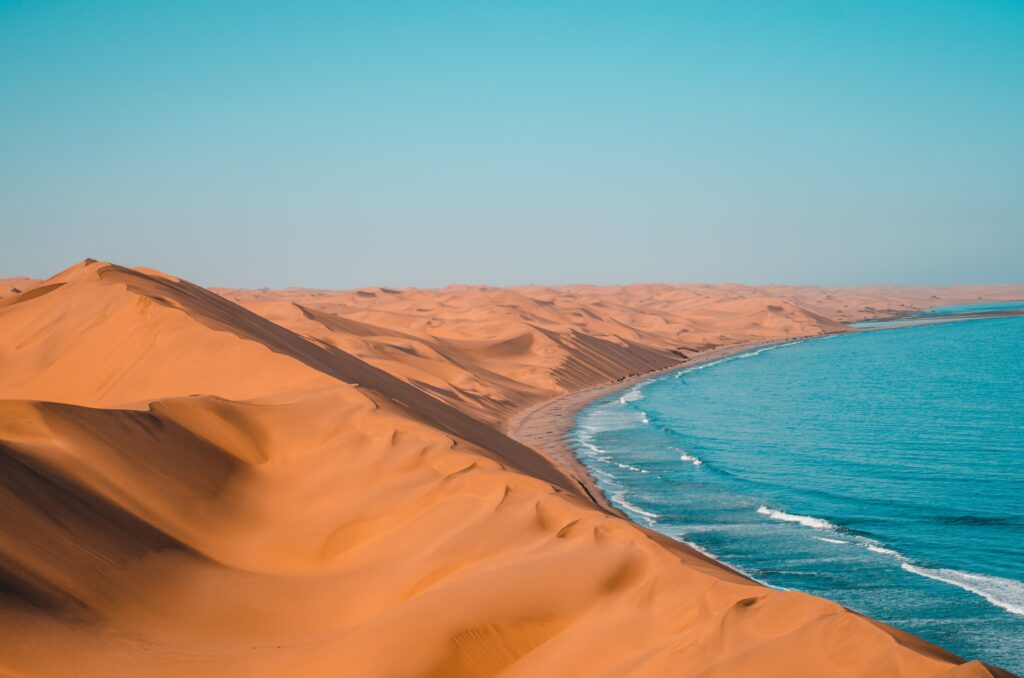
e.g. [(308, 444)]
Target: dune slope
[(318, 488)]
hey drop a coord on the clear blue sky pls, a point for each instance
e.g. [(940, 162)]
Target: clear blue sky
[(344, 144)]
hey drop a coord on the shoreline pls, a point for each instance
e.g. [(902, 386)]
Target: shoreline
[(919, 319), (545, 427)]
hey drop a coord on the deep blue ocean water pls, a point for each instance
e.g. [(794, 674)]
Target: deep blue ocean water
[(883, 470)]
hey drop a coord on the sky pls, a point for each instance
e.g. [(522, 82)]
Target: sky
[(351, 144)]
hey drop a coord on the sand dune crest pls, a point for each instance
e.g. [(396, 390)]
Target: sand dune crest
[(308, 482)]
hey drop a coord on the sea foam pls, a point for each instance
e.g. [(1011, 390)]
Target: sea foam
[(700, 367), (807, 521), (1005, 593), (690, 458), (594, 451), (761, 350), (738, 356), (620, 499), (632, 395), (874, 547)]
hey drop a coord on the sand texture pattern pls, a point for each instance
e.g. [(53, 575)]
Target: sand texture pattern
[(302, 482)]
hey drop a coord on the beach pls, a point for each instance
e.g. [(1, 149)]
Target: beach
[(445, 340), (844, 468), (545, 426), (260, 482)]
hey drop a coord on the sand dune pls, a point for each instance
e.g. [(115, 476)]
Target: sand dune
[(302, 482), (12, 286)]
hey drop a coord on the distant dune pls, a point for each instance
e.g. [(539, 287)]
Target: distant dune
[(304, 482), (11, 286)]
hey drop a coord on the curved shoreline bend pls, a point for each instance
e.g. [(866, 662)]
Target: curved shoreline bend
[(546, 426), (328, 482)]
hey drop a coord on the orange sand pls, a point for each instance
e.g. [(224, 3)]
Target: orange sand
[(315, 483)]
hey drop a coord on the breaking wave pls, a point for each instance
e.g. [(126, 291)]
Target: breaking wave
[(761, 350), (874, 547), (807, 521), (1005, 593), (619, 498), (690, 458), (738, 356), (632, 395)]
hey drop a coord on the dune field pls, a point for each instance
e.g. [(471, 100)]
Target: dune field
[(304, 482)]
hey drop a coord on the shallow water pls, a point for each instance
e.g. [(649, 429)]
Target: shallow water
[(883, 470), (990, 309)]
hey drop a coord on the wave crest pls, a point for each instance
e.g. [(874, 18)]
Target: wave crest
[(807, 521), (620, 499), (632, 395), (1005, 593), (690, 458), (832, 541)]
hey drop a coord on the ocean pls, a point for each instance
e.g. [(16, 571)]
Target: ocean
[(882, 469)]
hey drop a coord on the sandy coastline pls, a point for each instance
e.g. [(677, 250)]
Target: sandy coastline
[(546, 426), (329, 481)]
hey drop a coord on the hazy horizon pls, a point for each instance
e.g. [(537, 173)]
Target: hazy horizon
[(456, 283), (323, 146)]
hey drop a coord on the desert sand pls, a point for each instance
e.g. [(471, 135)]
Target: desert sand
[(306, 482)]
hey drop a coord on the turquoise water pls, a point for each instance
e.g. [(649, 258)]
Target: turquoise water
[(985, 307), (947, 314), (883, 470)]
